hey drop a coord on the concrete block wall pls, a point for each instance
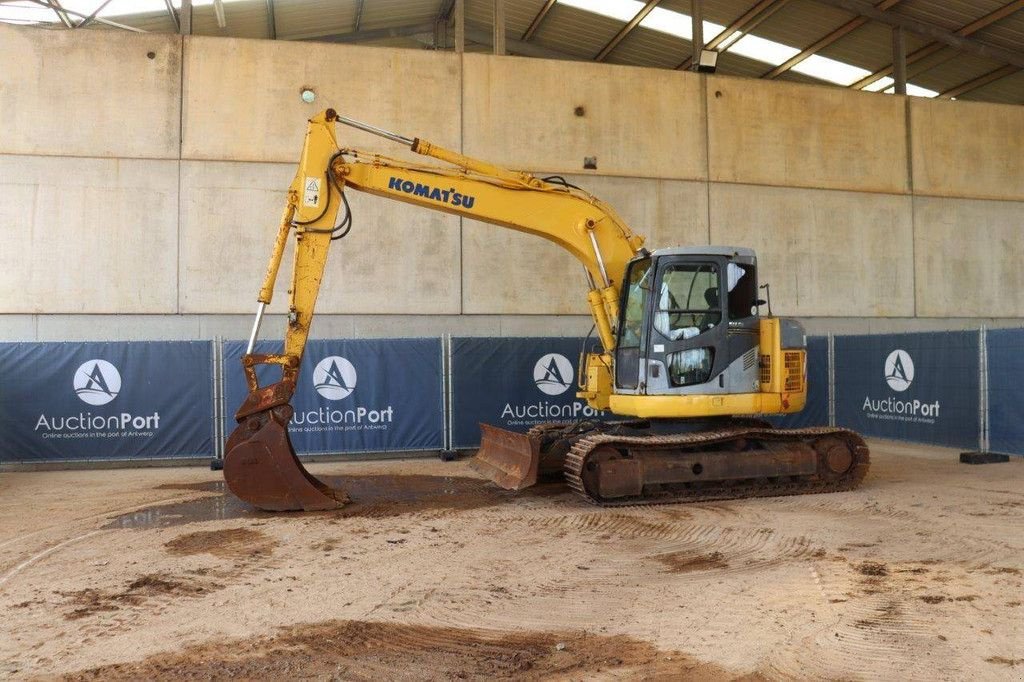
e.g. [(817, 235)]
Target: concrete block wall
[(142, 176)]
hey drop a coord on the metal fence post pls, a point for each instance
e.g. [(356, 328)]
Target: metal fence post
[(983, 433), (450, 394), (831, 379), (218, 403)]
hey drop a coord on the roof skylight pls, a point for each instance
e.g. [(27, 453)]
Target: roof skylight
[(750, 46)]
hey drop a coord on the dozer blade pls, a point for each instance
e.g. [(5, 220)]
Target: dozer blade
[(260, 467), (508, 458)]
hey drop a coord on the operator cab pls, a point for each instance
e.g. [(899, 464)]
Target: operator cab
[(689, 322)]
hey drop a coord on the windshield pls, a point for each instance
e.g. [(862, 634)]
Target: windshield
[(638, 288)]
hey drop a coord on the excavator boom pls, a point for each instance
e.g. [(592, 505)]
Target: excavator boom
[(260, 463)]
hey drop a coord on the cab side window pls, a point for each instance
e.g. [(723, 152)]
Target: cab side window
[(689, 301), (742, 286)]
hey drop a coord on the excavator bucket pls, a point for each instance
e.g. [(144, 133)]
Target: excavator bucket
[(510, 459), (260, 467)]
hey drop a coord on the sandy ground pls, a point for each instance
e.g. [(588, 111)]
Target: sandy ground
[(433, 574)]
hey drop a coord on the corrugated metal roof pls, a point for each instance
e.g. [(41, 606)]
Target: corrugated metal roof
[(959, 69), (386, 13), (518, 15), (1009, 90), (644, 47), (297, 19), (581, 34), (949, 14), (1008, 33), (576, 32)]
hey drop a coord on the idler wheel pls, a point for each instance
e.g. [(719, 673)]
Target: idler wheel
[(834, 457)]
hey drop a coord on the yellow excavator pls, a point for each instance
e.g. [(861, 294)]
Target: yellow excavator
[(686, 366)]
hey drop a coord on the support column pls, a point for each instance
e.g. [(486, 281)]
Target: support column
[(899, 60), (185, 18), (271, 20), (499, 26), (460, 26), (697, 19)]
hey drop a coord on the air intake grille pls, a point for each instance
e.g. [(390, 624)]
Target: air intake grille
[(749, 358), (794, 372), (766, 370)]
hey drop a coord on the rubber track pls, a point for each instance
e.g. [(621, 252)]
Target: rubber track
[(582, 449)]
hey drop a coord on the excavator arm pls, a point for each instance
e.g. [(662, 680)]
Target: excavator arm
[(260, 465)]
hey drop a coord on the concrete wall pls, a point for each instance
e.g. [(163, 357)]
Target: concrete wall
[(139, 194)]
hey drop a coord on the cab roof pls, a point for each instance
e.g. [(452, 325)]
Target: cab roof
[(741, 252)]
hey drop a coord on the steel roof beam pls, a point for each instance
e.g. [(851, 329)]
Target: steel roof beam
[(537, 20), (520, 47), (975, 83), (97, 19), (626, 30), (745, 22), (932, 48), (61, 14), (374, 34), (818, 46), (928, 30), (172, 15), (89, 19)]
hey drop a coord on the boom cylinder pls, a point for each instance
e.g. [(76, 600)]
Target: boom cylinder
[(604, 327)]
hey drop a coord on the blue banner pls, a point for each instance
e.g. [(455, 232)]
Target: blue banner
[(354, 395), (1006, 390), (85, 401), (916, 387), (815, 412), (513, 383)]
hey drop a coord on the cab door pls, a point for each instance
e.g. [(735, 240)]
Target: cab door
[(687, 345), (632, 334)]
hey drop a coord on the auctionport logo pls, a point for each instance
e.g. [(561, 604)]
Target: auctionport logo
[(97, 382), (899, 370), (553, 374), (334, 378), (899, 374)]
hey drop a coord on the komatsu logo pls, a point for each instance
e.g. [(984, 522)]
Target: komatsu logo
[(899, 370), (97, 382), (334, 378), (445, 196), (553, 374)]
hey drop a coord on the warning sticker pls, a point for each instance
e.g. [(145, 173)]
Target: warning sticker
[(311, 193)]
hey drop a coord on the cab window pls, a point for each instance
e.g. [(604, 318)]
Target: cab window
[(688, 301), (637, 290), (742, 287), (627, 354)]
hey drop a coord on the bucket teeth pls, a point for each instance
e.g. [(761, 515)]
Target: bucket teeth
[(261, 468)]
